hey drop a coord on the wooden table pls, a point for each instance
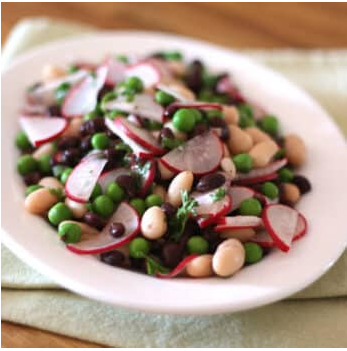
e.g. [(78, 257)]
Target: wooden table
[(267, 25)]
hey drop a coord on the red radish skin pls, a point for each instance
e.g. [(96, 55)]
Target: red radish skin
[(238, 222), (200, 155), (104, 242), (263, 239), (264, 199), (81, 182), (280, 221), (178, 269), (82, 98), (137, 149), (116, 71), (41, 129), (143, 105), (148, 179), (140, 136), (301, 228), (238, 194), (111, 176)]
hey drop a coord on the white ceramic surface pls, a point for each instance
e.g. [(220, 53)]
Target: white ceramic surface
[(276, 277)]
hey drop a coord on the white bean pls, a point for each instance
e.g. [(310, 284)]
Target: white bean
[(153, 223), (229, 258), (165, 173), (40, 201), (51, 182), (52, 72), (228, 166), (239, 234), (73, 128), (183, 181), (200, 266), (257, 135), (45, 149), (78, 210), (295, 150), (231, 115), (263, 152), (239, 141)]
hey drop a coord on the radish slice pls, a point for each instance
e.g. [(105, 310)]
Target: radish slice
[(82, 180), (301, 227), (201, 155), (226, 86), (142, 105), (146, 174), (261, 174), (263, 239), (264, 199), (179, 268), (82, 98), (238, 194), (148, 72), (173, 90), (111, 176), (44, 94), (281, 222), (238, 222), (137, 149), (40, 129), (134, 120), (104, 242), (34, 109), (116, 71), (139, 135), (171, 109)]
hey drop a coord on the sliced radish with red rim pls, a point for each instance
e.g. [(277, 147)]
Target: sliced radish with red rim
[(281, 222), (137, 149), (147, 71), (139, 135), (173, 89), (116, 71), (135, 120), (301, 227), (263, 239), (81, 182), (200, 155), (82, 98), (35, 110), (44, 94), (261, 174), (40, 129), (146, 174), (172, 108), (111, 176), (143, 105), (238, 194), (238, 222), (179, 268), (104, 242)]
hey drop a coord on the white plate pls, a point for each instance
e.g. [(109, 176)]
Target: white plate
[(275, 277)]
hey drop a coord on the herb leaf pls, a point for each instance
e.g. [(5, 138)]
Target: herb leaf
[(154, 267), (218, 195)]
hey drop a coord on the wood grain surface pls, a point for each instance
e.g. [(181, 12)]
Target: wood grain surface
[(242, 25)]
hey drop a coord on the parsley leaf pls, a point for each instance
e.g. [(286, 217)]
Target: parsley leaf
[(218, 195), (154, 267)]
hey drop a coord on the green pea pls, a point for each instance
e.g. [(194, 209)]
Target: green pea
[(253, 251), (89, 206), (134, 84), (243, 163), (100, 141), (31, 188), (91, 115), (139, 248), (214, 113), (65, 174), (72, 69), (114, 191), (172, 56), (280, 154), (22, 141), (97, 191), (122, 58), (26, 164), (163, 98), (153, 200), (108, 97), (113, 114), (124, 147), (209, 80), (58, 170), (70, 232), (197, 115), (270, 190), (220, 99), (44, 165), (269, 124), (139, 205), (103, 206), (170, 144), (286, 175), (61, 91), (245, 122), (184, 119), (250, 207), (197, 244), (245, 116), (152, 125), (205, 95), (59, 213)]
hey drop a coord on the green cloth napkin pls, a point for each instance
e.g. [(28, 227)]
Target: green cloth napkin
[(315, 317)]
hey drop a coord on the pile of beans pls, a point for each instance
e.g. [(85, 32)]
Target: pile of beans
[(249, 142)]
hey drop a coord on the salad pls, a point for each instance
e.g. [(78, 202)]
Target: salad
[(160, 166)]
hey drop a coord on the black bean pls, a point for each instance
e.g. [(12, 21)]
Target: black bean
[(86, 144), (302, 183), (86, 128), (113, 155), (214, 245), (138, 264), (32, 178), (209, 234), (54, 111), (172, 254), (104, 90), (210, 181), (199, 129), (194, 77), (225, 133), (116, 230), (98, 124), (168, 209), (166, 133), (217, 122), (128, 183), (111, 135), (71, 157), (157, 245), (113, 258), (67, 142), (94, 220)]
